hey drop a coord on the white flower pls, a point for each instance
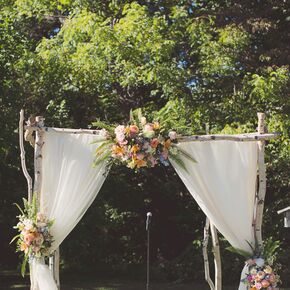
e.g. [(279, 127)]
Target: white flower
[(20, 226), (28, 224), (253, 271), (172, 135), (104, 133), (260, 262), (143, 121)]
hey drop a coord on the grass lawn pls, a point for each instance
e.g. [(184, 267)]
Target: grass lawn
[(12, 280)]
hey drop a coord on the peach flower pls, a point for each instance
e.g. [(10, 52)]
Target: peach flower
[(29, 238), (134, 129)]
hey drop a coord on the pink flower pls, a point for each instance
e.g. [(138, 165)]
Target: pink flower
[(258, 285), (140, 156), (152, 161), (272, 278), (120, 135), (148, 127), (123, 142), (120, 130), (265, 283)]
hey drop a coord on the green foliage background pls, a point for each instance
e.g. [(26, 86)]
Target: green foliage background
[(197, 66)]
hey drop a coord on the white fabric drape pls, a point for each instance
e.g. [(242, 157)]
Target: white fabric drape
[(223, 182), (69, 186)]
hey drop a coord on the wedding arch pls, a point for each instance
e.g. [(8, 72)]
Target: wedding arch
[(228, 182)]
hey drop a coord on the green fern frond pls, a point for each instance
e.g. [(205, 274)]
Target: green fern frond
[(184, 153), (101, 158), (20, 209), (105, 145), (240, 252), (24, 264), (176, 158), (102, 125)]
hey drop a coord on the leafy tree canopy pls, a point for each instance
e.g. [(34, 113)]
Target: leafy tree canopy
[(197, 66)]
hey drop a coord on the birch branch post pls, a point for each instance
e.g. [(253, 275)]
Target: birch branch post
[(217, 257), (38, 158), (22, 157), (205, 255), (39, 120), (261, 183)]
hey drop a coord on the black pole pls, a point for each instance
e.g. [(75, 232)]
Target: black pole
[(148, 222)]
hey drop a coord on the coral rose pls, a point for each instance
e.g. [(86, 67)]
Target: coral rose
[(134, 129)]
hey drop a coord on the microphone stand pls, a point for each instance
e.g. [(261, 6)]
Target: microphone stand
[(148, 223)]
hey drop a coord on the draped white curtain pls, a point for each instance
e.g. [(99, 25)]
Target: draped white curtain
[(223, 182), (69, 186)]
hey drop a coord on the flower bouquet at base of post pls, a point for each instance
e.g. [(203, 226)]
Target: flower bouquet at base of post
[(139, 144), (34, 239), (260, 275), (261, 267)]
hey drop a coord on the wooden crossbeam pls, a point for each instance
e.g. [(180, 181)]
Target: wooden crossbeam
[(216, 137)]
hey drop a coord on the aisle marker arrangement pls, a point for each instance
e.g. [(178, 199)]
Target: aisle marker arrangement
[(34, 238)]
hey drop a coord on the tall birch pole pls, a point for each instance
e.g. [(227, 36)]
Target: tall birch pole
[(38, 157), (261, 182), (217, 257), (39, 121), (205, 255)]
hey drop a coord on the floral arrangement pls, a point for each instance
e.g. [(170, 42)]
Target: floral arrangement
[(138, 144), (34, 238), (260, 275)]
